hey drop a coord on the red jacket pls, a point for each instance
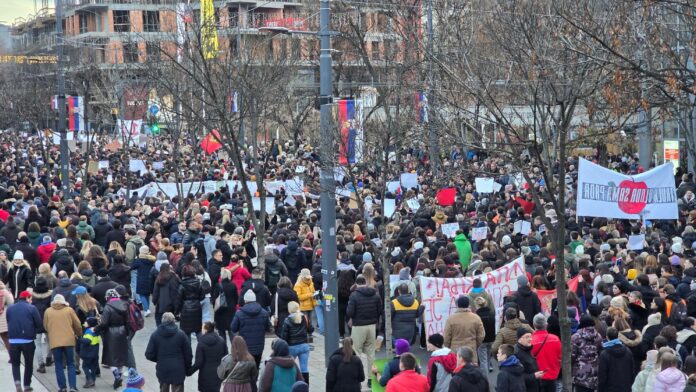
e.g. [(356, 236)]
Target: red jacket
[(408, 380), (546, 348), (239, 275), (45, 251), (4, 215), (527, 206)]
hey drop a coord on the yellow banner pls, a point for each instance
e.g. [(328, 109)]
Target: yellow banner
[(208, 30)]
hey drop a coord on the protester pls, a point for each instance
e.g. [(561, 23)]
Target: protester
[(615, 370), (467, 377), (142, 266), (170, 348), (408, 378), (364, 309), (464, 328), (89, 352), (280, 370), (586, 346), (188, 302), (406, 310), (114, 331), (135, 382), (295, 331), (238, 370), (251, 323), (391, 368), (165, 294), (511, 376), (63, 329), (225, 312), (6, 299), (209, 352), (345, 371), (546, 348), (24, 323)]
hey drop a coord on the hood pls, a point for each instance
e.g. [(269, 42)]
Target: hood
[(292, 245), (405, 274), (118, 304), (102, 221), (286, 294), (525, 291), (671, 376), (685, 334), (461, 238), (251, 308), (86, 273), (82, 224), (65, 282), (406, 300), (284, 362), (33, 235), (630, 338), (472, 374), (366, 291), (45, 295), (51, 246), (210, 339), (59, 306), (168, 330), (137, 241), (270, 259), (616, 350), (513, 324)]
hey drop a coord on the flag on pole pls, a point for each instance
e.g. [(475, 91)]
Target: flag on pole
[(208, 30), (76, 120), (445, 197), (233, 101), (211, 142), (421, 107), (349, 129)]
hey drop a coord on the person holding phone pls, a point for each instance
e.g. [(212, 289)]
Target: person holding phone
[(523, 352)]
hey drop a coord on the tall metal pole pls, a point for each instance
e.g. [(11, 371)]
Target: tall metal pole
[(432, 130), (327, 199), (62, 128), (242, 136)]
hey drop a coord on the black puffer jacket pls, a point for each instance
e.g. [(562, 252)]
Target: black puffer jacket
[(64, 262), (189, 305), (342, 376), (405, 310), (294, 333), (285, 295), (101, 229), (224, 315), (166, 294), (488, 320), (524, 355), (527, 302), (209, 353), (469, 379), (171, 350), (114, 334), (364, 306)]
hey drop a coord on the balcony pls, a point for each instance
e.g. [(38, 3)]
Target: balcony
[(95, 5)]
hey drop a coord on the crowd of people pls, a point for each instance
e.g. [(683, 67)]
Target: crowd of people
[(82, 271)]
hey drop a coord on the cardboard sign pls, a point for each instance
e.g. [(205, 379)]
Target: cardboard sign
[(103, 165), (413, 204), (450, 229), (479, 233), (635, 242), (522, 227), (93, 167), (484, 185)]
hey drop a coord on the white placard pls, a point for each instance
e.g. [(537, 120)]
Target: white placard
[(158, 165), (289, 200), (522, 227), (389, 207), (270, 204), (393, 186), (137, 165), (479, 233), (413, 204), (497, 187), (484, 185), (635, 242), (300, 169), (103, 165), (409, 180), (450, 229)]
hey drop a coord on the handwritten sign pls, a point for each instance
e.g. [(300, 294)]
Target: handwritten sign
[(450, 229), (484, 185), (479, 233)]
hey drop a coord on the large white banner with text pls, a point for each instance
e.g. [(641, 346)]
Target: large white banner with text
[(606, 193), (439, 295)]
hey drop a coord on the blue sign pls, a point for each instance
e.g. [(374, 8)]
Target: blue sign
[(154, 109)]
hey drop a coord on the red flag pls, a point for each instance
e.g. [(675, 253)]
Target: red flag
[(445, 197), (211, 142)]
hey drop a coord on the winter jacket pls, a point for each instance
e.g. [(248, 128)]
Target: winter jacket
[(294, 259), (279, 374), (114, 333), (100, 288), (83, 227), (408, 380), (251, 322), (463, 246), (274, 270), (632, 340), (479, 292), (405, 311), (364, 306), (45, 251), (165, 295), (41, 301), (133, 248), (34, 238), (63, 262), (115, 236), (305, 292), (224, 315), (342, 376), (10, 231), (527, 360), (586, 344), (189, 305), (88, 345), (62, 325), (23, 320), (29, 252), (209, 353), (101, 230), (239, 275), (511, 376), (242, 372), (546, 348), (508, 334), (469, 379), (143, 265), (171, 350), (615, 371), (263, 295), (464, 328), (441, 365), (285, 295), (295, 333), (19, 278), (488, 320), (527, 302), (670, 379)]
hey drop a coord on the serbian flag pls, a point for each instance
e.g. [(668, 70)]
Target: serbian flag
[(75, 116), (421, 108), (445, 197), (346, 118), (211, 142)]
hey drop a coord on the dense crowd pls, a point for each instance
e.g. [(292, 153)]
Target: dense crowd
[(81, 271)]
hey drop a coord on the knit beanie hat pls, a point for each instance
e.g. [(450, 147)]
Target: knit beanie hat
[(249, 296), (521, 331), (401, 346), (522, 280), (463, 302), (436, 340), (134, 380)]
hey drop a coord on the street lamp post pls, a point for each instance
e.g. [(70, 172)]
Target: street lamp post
[(60, 81)]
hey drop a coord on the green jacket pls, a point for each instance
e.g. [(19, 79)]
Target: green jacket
[(463, 249)]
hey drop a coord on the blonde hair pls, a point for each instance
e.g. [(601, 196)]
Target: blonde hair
[(117, 247), (76, 275), (225, 274), (45, 269), (294, 311), (86, 246), (86, 303), (369, 274)]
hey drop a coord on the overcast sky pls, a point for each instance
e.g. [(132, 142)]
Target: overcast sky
[(11, 9)]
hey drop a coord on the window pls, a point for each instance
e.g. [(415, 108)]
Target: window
[(153, 50), (233, 16), (130, 52), (151, 21), (83, 24), (295, 48), (121, 21), (376, 53)]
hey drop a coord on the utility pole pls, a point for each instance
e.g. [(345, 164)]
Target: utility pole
[(62, 128), (242, 137), (327, 199), (432, 130)]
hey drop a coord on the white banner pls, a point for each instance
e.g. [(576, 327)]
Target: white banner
[(606, 193), (439, 295)]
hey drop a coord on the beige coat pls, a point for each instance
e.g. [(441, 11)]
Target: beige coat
[(7, 301), (464, 328), (508, 334), (62, 325)]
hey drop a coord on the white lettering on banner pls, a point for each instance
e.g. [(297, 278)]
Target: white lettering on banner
[(605, 193), (439, 295)]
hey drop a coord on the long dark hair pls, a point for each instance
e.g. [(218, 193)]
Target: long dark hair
[(165, 274), (347, 350), (239, 350)]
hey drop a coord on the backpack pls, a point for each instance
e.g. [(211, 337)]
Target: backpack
[(291, 259), (134, 315), (678, 314), (273, 275)]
